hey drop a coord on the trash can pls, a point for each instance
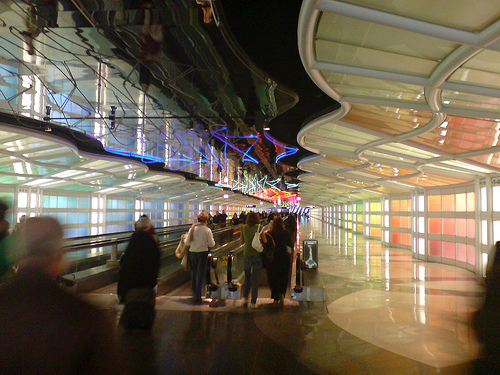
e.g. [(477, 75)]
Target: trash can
[(310, 251)]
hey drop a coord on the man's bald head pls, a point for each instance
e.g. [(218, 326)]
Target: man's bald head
[(41, 241)]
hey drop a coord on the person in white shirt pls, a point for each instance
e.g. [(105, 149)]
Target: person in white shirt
[(199, 239)]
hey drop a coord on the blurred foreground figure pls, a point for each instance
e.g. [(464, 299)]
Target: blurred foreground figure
[(46, 330), (486, 321)]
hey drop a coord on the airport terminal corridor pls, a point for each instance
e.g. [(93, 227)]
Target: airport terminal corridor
[(385, 313)]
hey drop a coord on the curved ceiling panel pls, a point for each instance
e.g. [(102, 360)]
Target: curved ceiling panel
[(418, 89)]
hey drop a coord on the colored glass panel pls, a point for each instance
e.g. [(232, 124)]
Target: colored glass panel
[(395, 205), (471, 255), (471, 202), (449, 202), (461, 202), (449, 226), (435, 225), (471, 228), (376, 219), (434, 203), (376, 232), (449, 250), (435, 248), (461, 252), (405, 205), (395, 237), (395, 221), (461, 227)]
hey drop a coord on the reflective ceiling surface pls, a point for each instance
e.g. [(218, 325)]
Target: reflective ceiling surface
[(418, 83), (141, 96)]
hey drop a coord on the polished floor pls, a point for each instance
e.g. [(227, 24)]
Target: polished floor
[(385, 313)]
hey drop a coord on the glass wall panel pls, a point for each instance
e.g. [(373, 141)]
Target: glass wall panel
[(461, 227), (434, 225), (395, 205), (434, 203), (395, 221), (471, 228), (461, 252), (435, 248), (449, 250), (471, 254), (471, 202), (461, 203), (449, 226), (448, 202)]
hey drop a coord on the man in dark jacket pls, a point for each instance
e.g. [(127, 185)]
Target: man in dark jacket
[(46, 330)]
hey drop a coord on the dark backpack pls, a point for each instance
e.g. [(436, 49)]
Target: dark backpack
[(268, 252)]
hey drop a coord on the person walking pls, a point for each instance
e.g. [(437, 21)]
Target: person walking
[(45, 329), (140, 262), (199, 239), (252, 259), (278, 271)]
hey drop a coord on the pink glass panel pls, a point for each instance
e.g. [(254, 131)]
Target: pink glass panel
[(471, 228), (461, 252), (435, 248), (435, 225), (461, 227), (449, 226), (434, 202), (449, 203), (449, 250), (471, 254)]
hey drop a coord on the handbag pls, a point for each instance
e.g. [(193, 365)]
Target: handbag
[(182, 248), (256, 243), (182, 251), (185, 263)]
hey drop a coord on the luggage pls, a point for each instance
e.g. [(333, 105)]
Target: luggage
[(139, 311)]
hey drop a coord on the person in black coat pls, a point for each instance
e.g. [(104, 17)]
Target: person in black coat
[(140, 263), (278, 271)]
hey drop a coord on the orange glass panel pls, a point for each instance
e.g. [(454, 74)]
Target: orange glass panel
[(435, 225), (405, 221), (395, 221), (376, 232), (461, 202), (395, 205), (471, 202), (395, 237), (461, 252), (449, 226), (471, 255), (471, 228), (434, 202), (435, 248), (404, 205), (449, 250), (449, 203), (461, 227)]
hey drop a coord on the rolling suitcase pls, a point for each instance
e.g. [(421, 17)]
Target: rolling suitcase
[(139, 311)]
